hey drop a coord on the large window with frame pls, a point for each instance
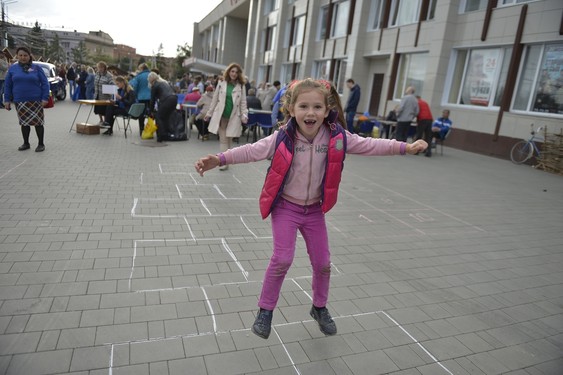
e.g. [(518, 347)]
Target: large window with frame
[(375, 12), (271, 5), (322, 69), (512, 2), (412, 72), (472, 5), (540, 85), (333, 71), (270, 38), (340, 18), (322, 24), (479, 76), (404, 12), (287, 72), (298, 31)]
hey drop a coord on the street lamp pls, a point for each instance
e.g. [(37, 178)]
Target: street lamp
[(3, 31)]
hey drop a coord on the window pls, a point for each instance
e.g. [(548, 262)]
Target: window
[(340, 75), (375, 14), (298, 31), (472, 5), (431, 9), (271, 5), (404, 12), (340, 19), (539, 84), (511, 2), (287, 74), (479, 76), (286, 33), (323, 23), (412, 72), (322, 69), (337, 76), (270, 38)]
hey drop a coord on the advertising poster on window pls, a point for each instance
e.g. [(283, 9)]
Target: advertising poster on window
[(549, 93), (481, 73)]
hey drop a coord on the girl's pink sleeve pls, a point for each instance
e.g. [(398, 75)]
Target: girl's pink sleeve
[(372, 146), (261, 150)]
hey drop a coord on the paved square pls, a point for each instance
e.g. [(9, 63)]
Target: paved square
[(116, 258)]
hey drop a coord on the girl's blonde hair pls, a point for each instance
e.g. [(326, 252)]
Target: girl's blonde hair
[(332, 99)]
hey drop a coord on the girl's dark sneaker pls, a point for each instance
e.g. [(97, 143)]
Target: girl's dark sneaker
[(322, 316), (263, 324)]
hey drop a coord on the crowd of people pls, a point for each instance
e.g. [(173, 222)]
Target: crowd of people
[(221, 101)]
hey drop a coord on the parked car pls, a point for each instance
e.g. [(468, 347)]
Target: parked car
[(58, 86)]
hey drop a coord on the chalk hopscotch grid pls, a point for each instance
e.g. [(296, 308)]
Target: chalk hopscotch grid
[(421, 217)]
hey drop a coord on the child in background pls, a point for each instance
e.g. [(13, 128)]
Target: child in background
[(301, 186)]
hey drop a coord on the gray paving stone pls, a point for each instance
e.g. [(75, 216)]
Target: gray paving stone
[(232, 363), (196, 366), (49, 340), (446, 348), (19, 343), (59, 320), (50, 362), (76, 338), (370, 363), (156, 350)]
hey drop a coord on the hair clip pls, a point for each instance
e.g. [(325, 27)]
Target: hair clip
[(325, 83)]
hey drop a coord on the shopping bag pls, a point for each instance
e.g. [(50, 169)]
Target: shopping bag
[(150, 128), (50, 101), (176, 128)]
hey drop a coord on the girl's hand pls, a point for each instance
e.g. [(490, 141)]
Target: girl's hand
[(417, 146), (206, 163), (244, 119), (44, 103)]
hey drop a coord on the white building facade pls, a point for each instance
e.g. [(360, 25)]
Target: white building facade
[(495, 64)]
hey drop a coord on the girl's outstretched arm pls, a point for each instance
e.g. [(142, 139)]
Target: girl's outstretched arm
[(206, 163)]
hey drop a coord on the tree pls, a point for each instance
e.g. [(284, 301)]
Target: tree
[(80, 53), (182, 53), (55, 52), (36, 41), (161, 61)]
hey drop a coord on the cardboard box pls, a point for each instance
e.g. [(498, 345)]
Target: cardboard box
[(87, 128)]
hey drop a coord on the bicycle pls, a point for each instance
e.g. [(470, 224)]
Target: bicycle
[(523, 150)]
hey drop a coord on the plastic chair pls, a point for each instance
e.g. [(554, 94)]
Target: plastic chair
[(440, 141), (256, 121), (135, 111), (181, 98)]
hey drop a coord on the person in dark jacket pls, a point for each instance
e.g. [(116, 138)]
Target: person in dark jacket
[(71, 78), (252, 100), (163, 94), (352, 103), (124, 98), (81, 81), (28, 88)]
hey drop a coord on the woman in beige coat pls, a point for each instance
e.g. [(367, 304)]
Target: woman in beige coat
[(228, 109)]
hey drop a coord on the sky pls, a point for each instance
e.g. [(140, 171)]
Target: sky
[(143, 27)]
